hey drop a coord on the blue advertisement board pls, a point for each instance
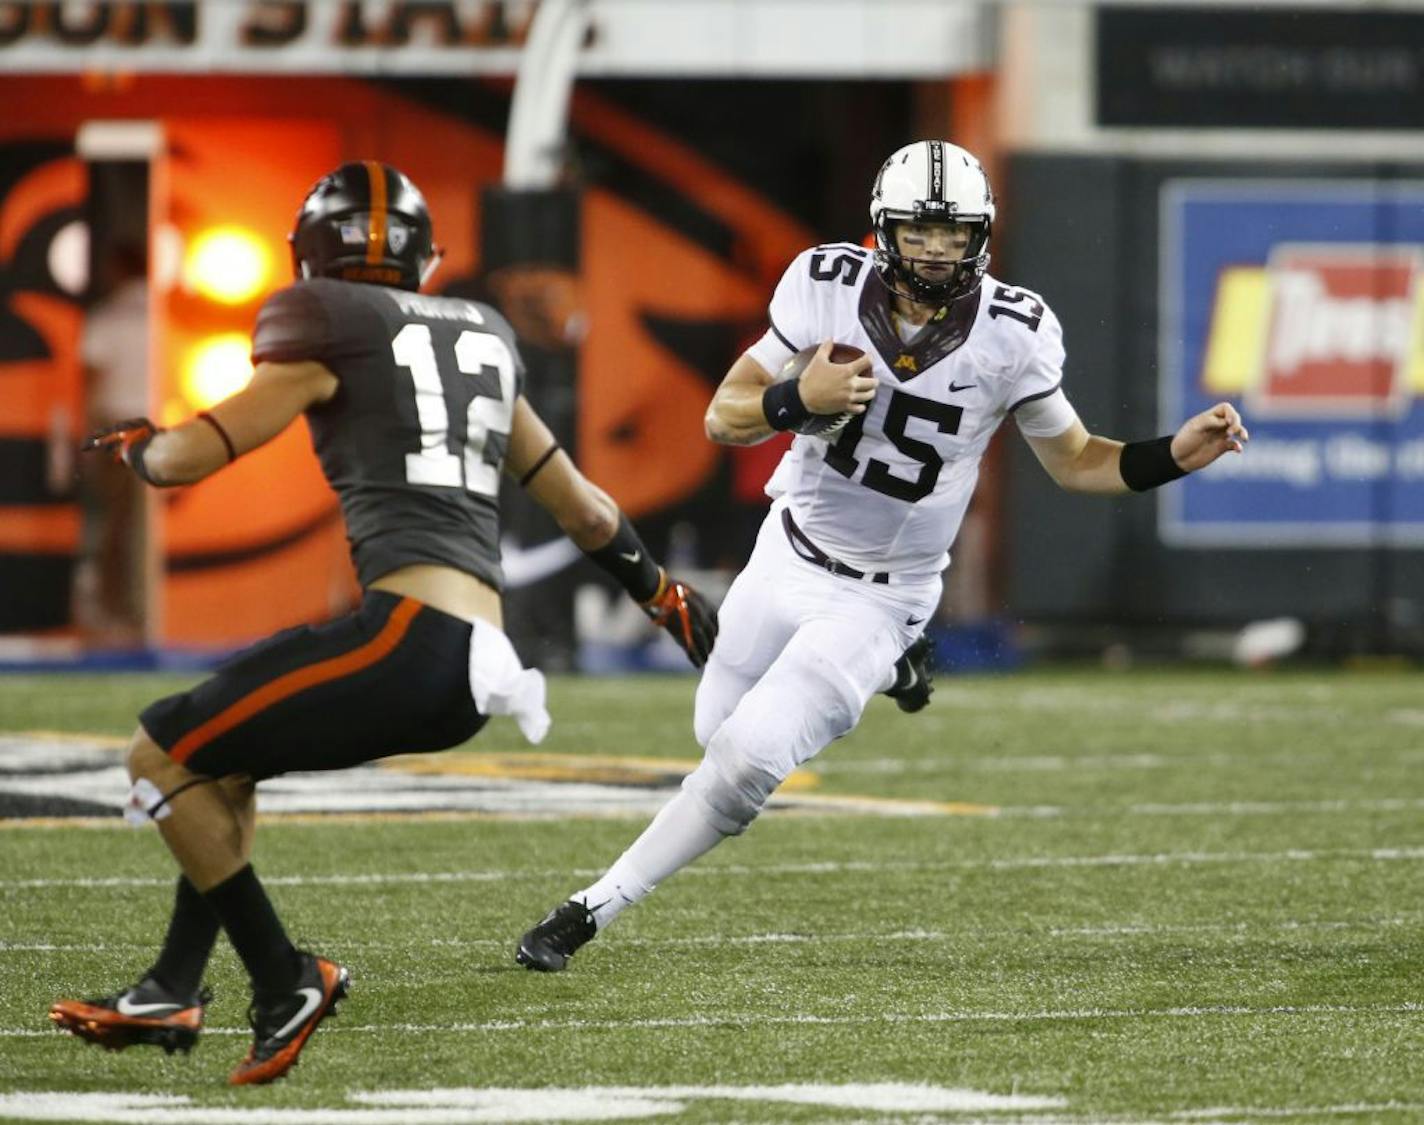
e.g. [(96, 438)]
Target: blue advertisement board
[(1301, 302)]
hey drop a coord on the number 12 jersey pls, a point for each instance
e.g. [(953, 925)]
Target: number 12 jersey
[(413, 440)]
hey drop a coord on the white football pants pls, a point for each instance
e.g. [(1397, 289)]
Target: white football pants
[(799, 653)]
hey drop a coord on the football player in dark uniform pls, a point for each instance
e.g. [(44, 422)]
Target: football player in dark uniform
[(415, 407)]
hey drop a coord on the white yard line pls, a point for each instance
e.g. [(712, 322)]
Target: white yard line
[(969, 934), (1252, 1112), (1056, 763), (748, 1019), (829, 867)]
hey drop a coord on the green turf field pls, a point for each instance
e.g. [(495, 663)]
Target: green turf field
[(1201, 899)]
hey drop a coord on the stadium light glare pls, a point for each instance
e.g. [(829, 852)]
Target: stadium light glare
[(228, 264), (217, 368)]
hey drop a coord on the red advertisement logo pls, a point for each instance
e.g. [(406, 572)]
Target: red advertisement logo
[(1340, 333)]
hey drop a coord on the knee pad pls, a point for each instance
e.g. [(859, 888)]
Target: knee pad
[(731, 786), (148, 802)]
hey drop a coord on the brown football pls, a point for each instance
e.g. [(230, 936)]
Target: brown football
[(821, 425)]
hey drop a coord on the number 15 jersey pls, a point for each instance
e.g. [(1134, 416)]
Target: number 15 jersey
[(413, 440), (889, 491)]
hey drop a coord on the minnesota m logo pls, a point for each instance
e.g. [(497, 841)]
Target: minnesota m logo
[(907, 362)]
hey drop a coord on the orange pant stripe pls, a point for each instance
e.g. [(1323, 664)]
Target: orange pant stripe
[(284, 687)]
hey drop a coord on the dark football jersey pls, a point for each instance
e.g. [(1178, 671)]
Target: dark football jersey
[(413, 440)]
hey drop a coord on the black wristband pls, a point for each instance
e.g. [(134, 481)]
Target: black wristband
[(135, 460), (782, 405), (628, 561), (1147, 464)]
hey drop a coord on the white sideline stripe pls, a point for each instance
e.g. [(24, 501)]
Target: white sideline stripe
[(469, 1106), (806, 1019), (1125, 929), (830, 867), (1212, 808), (1250, 1112)]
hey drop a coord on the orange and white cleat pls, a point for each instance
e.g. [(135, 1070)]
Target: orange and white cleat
[(146, 1013), (280, 1030)]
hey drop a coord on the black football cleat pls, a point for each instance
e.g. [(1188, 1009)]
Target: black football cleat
[(914, 675), (563, 932), (281, 1029), (146, 1013)]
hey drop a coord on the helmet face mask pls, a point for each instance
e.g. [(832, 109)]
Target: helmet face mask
[(364, 222), (931, 182)]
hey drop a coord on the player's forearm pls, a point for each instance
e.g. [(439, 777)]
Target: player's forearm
[(1096, 469), (736, 417), (185, 454), (590, 517)]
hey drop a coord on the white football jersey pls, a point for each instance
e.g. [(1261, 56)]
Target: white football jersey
[(888, 492)]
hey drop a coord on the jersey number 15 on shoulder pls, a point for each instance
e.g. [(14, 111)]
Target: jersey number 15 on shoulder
[(846, 266), (1011, 303), (435, 464)]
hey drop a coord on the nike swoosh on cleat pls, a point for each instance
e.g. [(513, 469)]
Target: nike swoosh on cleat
[(313, 998), (631, 556), (127, 1007)]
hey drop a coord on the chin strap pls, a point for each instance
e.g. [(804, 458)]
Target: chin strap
[(437, 254)]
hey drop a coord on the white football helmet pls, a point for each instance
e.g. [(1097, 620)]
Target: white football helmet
[(931, 182)]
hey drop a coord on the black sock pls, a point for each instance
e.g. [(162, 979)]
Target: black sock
[(256, 933), (191, 933)]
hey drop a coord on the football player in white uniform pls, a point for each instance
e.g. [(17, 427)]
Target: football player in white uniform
[(847, 565)]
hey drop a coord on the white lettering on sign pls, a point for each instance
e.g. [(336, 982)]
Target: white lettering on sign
[(1313, 326)]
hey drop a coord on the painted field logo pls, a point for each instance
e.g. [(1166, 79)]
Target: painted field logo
[(1321, 330)]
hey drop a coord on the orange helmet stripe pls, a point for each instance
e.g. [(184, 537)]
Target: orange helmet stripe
[(376, 241)]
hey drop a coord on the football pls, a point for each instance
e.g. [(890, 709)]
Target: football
[(820, 425)]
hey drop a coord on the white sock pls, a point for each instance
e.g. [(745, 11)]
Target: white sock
[(677, 836)]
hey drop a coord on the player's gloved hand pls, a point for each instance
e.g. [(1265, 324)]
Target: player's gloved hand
[(124, 441), (688, 617)]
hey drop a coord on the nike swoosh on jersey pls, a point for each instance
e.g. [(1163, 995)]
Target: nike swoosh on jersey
[(631, 556), (913, 620), (313, 998), (128, 1008), (953, 386)]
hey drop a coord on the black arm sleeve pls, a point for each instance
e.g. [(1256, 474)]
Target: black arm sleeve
[(628, 561)]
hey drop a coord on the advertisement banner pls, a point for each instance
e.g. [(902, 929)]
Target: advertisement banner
[(1259, 66), (1302, 301)]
